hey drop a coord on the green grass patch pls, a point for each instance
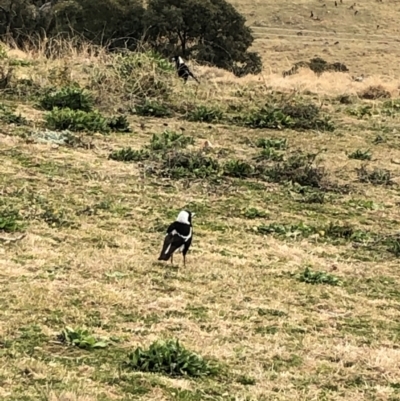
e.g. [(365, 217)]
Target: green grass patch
[(81, 338), (170, 358)]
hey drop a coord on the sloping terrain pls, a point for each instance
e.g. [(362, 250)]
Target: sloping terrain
[(363, 35), (291, 287)]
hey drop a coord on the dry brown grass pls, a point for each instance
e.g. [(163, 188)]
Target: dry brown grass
[(368, 41), (236, 300)]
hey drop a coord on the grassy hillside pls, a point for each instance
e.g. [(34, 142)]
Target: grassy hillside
[(291, 288), (368, 41)]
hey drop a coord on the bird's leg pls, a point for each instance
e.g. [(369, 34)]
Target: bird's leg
[(172, 256), (184, 260)]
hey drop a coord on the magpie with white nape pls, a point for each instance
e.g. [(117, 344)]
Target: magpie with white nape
[(179, 237), (183, 69)]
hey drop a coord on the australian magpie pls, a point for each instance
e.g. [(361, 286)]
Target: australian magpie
[(179, 236), (183, 69)]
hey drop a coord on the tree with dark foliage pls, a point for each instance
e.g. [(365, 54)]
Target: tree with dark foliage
[(212, 31)]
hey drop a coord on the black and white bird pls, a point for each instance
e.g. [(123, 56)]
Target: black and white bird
[(179, 237), (183, 69)]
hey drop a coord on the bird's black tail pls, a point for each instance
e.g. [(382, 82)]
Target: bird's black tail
[(164, 256), (168, 248)]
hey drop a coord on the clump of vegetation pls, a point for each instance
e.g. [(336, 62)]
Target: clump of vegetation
[(152, 108), (287, 230), (10, 221), (377, 176), (391, 107), (317, 65), (331, 231), (8, 116), (78, 120), (170, 358), (360, 155), (298, 168), (71, 97), (365, 110), (128, 155), (310, 276), (289, 114), (239, 169), (119, 124), (345, 99), (156, 150), (393, 245), (254, 213), (56, 218), (170, 139), (307, 194), (268, 143), (205, 114), (80, 338), (180, 164), (270, 154), (374, 92)]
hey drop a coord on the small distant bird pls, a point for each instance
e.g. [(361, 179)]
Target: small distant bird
[(336, 43), (356, 12), (335, 3), (312, 15), (183, 69), (179, 237)]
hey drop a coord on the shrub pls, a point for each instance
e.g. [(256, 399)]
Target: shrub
[(287, 230), (310, 276), (152, 109), (299, 168), (345, 99), (393, 245), (170, 358), (71, 97), (10, 221), (238, 169), (76, 120), (268, 117), (374, 92), (317, 65), (80, 338), (205, 114), (376, 177), (170, 139), (253, 213), (129, 154), (270, 154), (8, 116), (156, 150), (189, 164), (298, 116), (279, 144), (119, 124), (360, 155), (307, 116)]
